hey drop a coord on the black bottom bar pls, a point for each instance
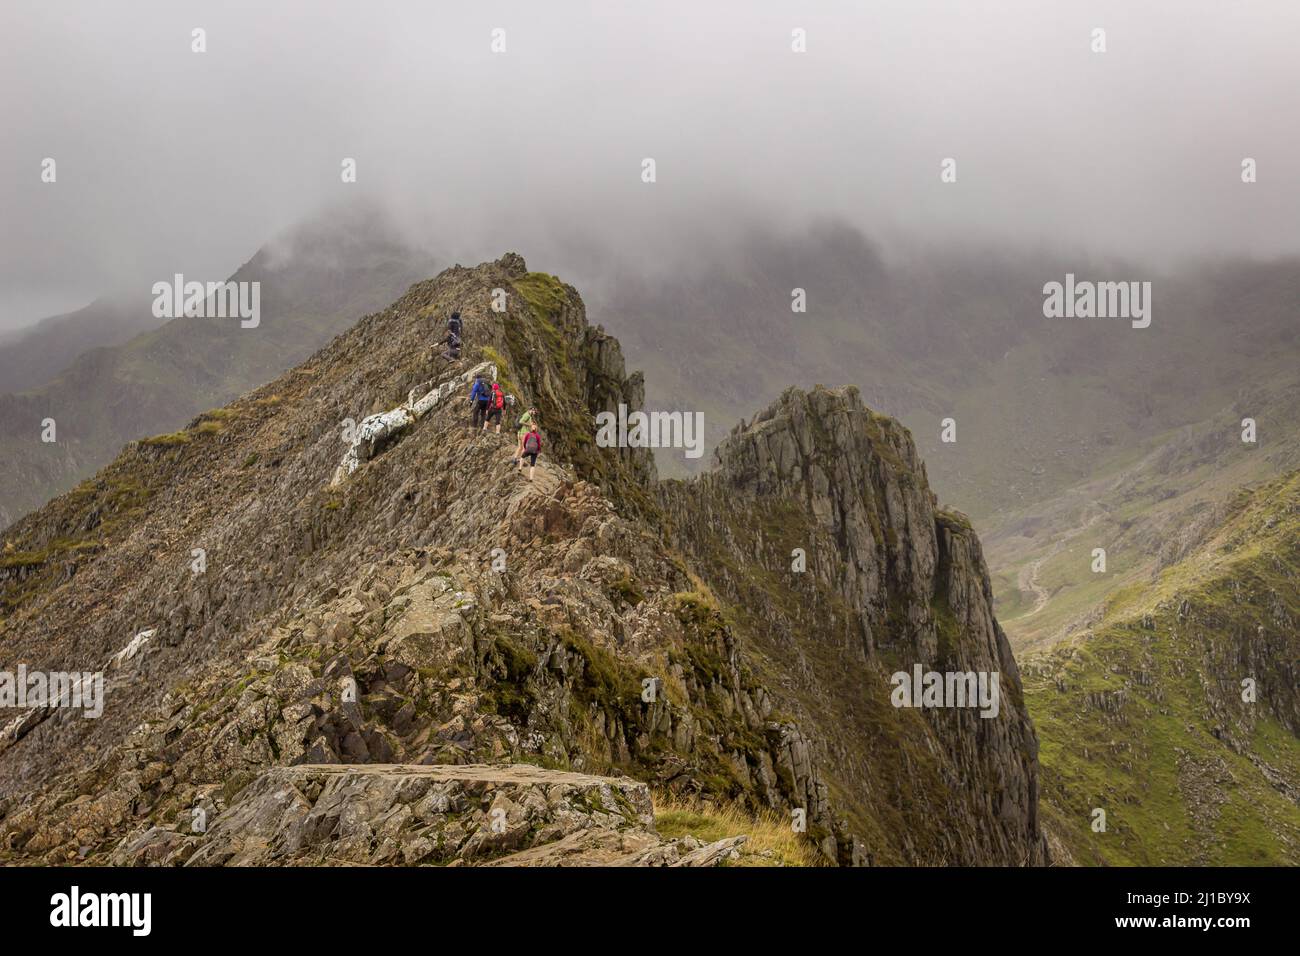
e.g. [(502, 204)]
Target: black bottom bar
[(339, 906)]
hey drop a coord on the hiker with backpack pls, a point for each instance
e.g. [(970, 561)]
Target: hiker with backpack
[(526, 421), (479, 397), (496, 407), (532, 447)]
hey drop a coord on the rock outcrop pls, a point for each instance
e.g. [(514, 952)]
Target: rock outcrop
[(376, 431), (818, 526)]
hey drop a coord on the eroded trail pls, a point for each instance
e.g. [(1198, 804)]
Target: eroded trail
[(1027, 580)]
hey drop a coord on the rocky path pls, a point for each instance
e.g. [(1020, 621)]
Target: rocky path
[(473, 814)]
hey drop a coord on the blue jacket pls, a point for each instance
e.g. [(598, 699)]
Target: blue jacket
[(482, 391)]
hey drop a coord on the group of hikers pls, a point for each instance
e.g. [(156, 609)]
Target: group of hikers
[(489, 403)]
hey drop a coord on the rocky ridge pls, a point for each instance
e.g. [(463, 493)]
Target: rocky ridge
[(436, 609)]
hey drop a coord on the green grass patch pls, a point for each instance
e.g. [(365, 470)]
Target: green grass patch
[(169, 440)]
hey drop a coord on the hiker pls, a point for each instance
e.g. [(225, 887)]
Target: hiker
[(479, 397), (525, 422), (453, 324), (496, 406), (452, 341), (532, 446)]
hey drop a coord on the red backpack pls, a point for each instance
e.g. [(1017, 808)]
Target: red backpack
[(498, 398), (532, 443)]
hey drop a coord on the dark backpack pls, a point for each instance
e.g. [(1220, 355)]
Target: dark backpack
[(454, 323)]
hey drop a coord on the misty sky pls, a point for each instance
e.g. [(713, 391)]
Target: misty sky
[(171, 161)]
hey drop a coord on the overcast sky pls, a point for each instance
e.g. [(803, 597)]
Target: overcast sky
[(170, 160)]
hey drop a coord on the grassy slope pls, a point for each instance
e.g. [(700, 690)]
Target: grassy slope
[(1135, 717), (1146, 510)]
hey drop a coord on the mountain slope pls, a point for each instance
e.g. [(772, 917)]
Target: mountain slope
[(1144, 716), (34, 355), (436, 607), (314, 282)]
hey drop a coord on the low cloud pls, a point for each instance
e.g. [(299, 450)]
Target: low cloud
[(174, 161)]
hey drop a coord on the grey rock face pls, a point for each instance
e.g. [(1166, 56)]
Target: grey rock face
[(888, 581)]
